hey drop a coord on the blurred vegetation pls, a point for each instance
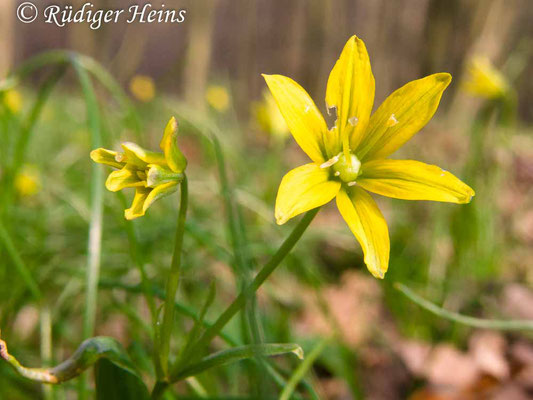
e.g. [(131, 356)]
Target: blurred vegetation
[(470, 259)]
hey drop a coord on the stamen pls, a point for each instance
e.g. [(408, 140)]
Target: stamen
[(392, 121), (119, 157), (330, 162), (353, 121), (352, 183), (337, 173)]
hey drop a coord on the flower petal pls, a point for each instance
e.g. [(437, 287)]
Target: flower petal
[(369, 227), (124, 178), (413, 180), (159, 192), (140, 157), (104, 156), (137, 210), (333, 142), (173, 155), (301, 115), (303, 189), (351, 89), (401, 115)]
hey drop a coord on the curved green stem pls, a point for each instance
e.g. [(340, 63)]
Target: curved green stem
[(199, 347), (87, 354), (197, 350), (509, 325), (173, 281)]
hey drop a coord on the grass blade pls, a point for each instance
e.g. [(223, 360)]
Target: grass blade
[(236, 354), (95, 226), (510, 325)]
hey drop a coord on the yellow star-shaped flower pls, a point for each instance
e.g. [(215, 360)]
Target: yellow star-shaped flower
[(351, 158), (152, 174), (484, 80)]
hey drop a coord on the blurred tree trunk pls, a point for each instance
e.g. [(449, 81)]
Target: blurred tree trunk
[(201, 15), (7, 19), (248, 49), (297, 33), (440, 28), (131, 51), (81, 37)]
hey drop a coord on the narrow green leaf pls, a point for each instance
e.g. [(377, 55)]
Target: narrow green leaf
[(89, 352), (237, 354), (97, 205)]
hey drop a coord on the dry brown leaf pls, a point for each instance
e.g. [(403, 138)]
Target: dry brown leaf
[(354, 305), (447, 366), (488, 350)]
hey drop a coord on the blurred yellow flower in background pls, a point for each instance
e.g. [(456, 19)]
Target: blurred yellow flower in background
[(217, 96), (269, 118), (13, 100), (351, 157), (154, 175), (142, 87), (484, 80), (28, 181)]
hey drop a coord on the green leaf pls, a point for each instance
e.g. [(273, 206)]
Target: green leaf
[(90, 352), (116, 382), (237, 354)]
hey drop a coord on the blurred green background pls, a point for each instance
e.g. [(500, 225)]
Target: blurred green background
[(473, 259)]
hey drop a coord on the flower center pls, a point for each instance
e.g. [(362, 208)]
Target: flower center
[(345, 170)]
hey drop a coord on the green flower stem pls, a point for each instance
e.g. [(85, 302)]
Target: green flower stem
[(510, 325), (173, 281), (199, 347)]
